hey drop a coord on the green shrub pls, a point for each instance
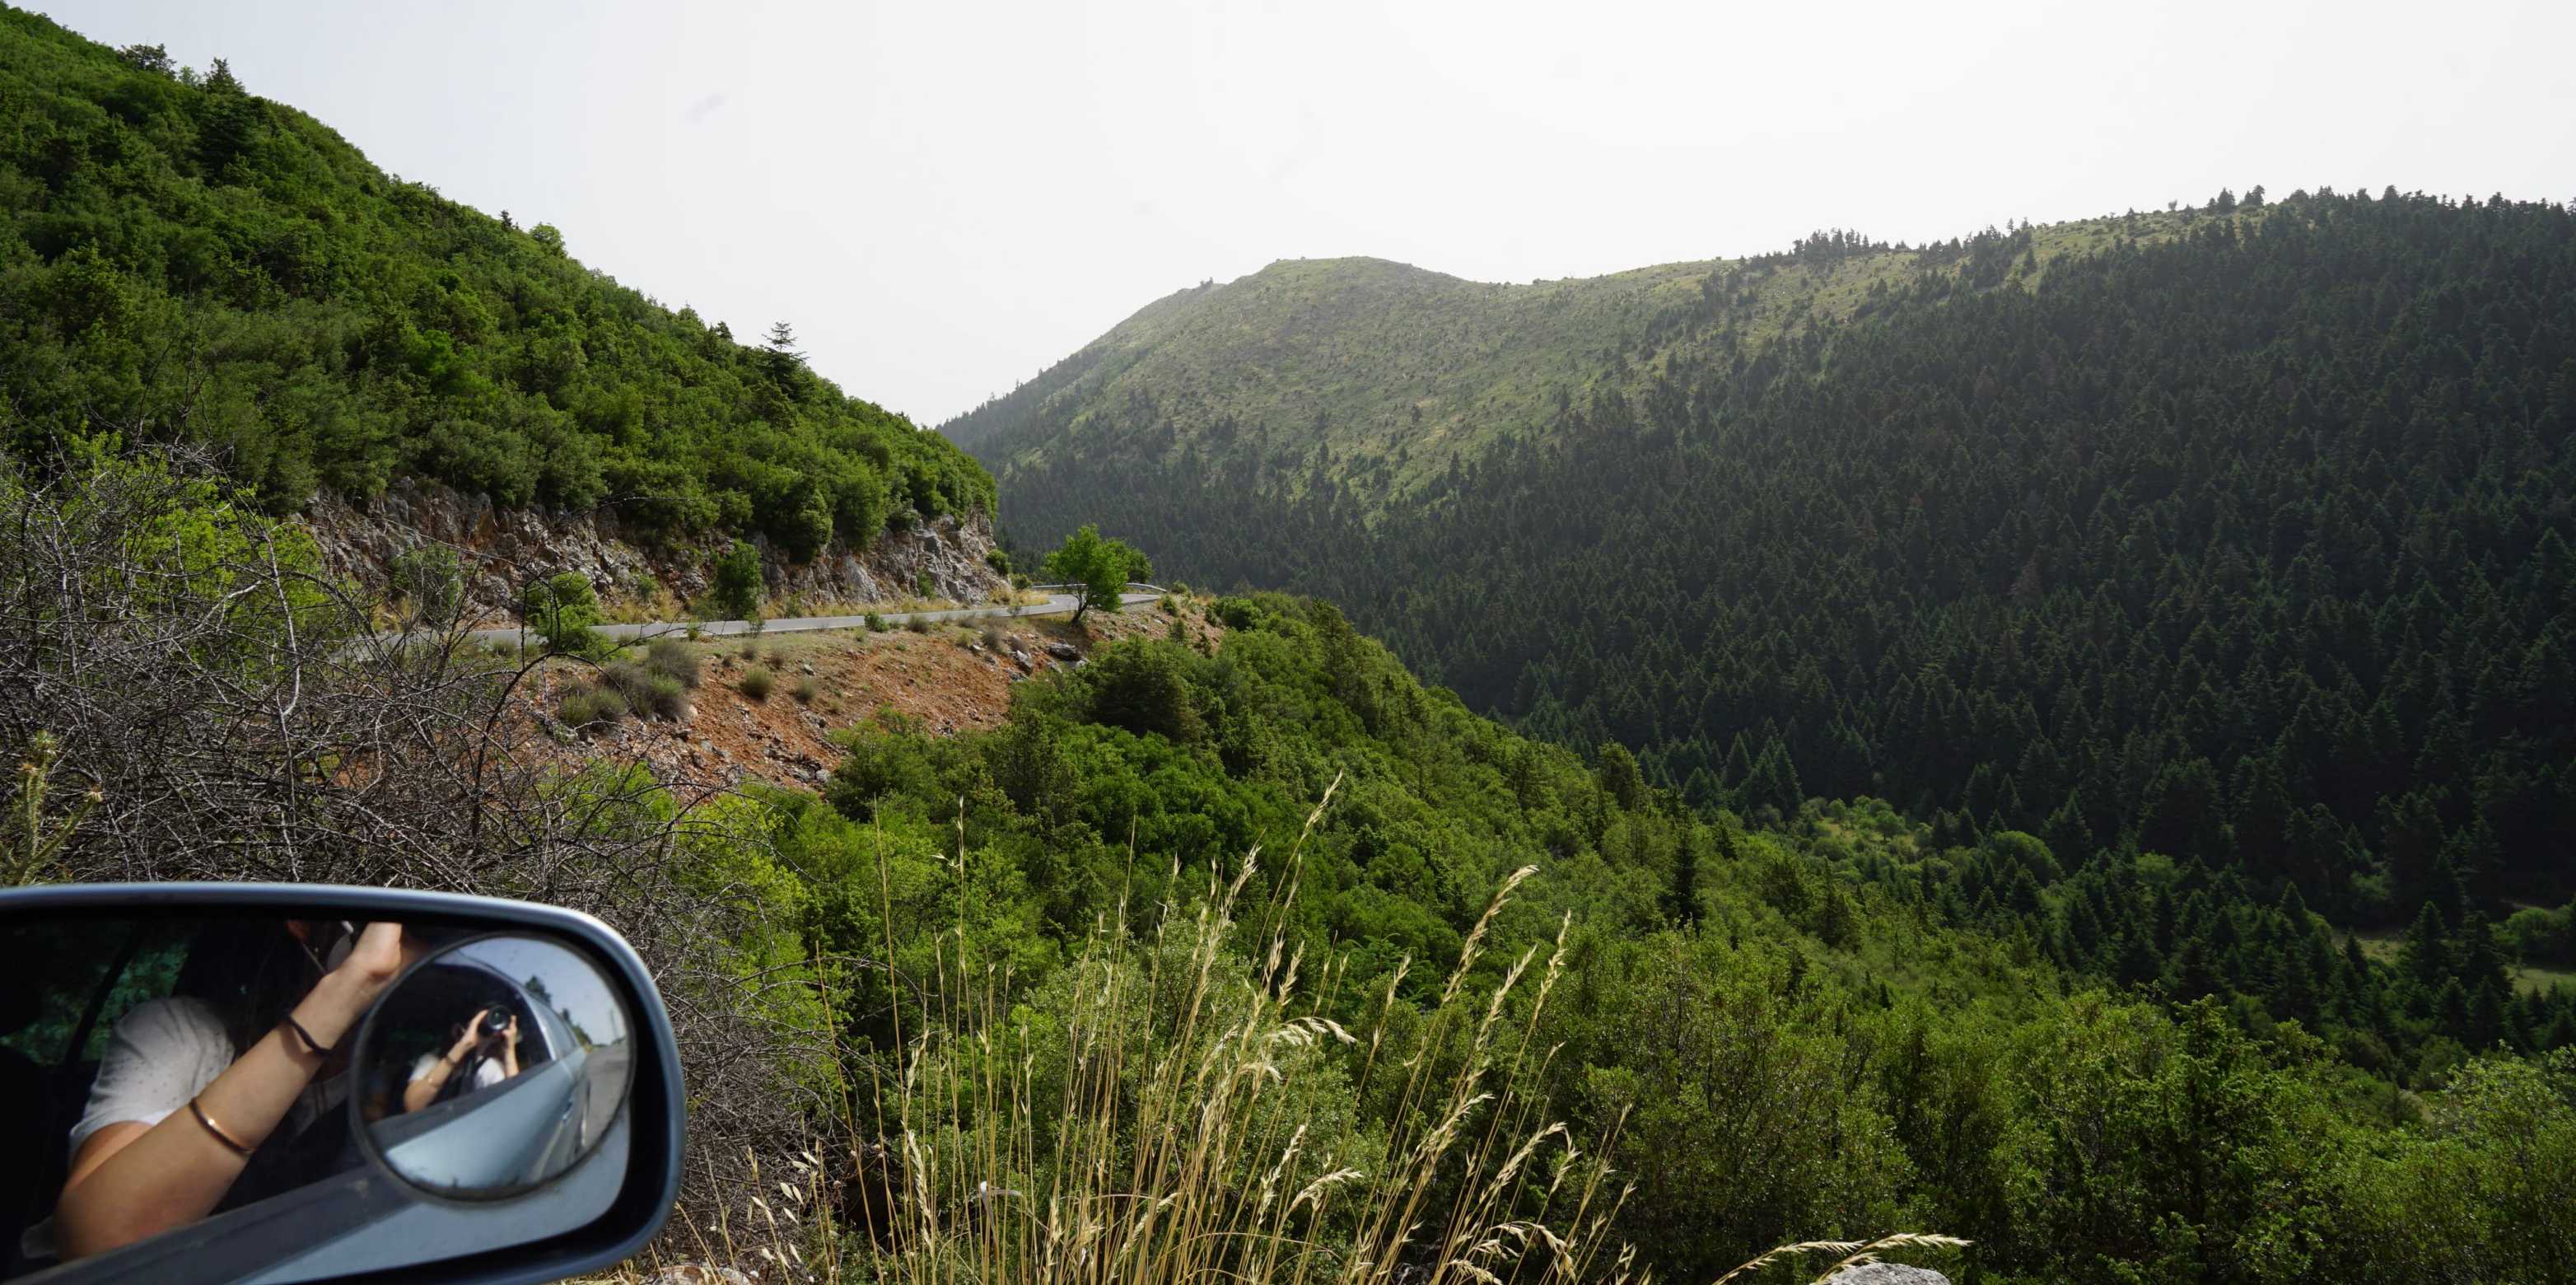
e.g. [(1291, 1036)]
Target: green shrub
[(591, 707), (646, 691), (561, 609), (807, 690), (999, 561), (672, 659), (917, 625), (876, 623), (1144, 689), (924, 586), (751, 652), (756, 682), (1237, 613)]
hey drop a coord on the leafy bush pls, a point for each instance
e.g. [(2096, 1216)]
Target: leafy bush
[(1145, 689), (807, 690), (2544, 936), (998, 560), (561, 609), (755, 683), (876, 623), (917, 625), (1236, 613)]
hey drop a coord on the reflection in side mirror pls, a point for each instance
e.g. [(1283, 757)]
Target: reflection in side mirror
[(281, 1084), (494, 1067)]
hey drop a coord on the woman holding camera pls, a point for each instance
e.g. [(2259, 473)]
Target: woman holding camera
[(486, 1048)]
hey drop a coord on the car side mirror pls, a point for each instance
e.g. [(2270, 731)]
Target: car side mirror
[(292, 1082)]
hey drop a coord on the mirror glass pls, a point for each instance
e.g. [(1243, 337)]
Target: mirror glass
[(493, 1067), (164, 1115)]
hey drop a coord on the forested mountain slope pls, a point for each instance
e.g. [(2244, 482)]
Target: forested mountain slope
[(181, 260), (2250, 544), (1371, 377), (1820, 1028), (1390, 369)]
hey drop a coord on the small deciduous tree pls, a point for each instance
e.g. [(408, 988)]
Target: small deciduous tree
[(561, 608), (738, 583), (1098, 567)]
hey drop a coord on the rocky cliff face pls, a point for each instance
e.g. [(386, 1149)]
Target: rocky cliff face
[(503, 549)]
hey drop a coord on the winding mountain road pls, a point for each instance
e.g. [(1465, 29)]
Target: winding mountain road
[(1059, 603)]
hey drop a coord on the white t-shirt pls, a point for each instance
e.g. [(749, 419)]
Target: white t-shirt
[(166, 1051), (486, 1072), (161, 1054)]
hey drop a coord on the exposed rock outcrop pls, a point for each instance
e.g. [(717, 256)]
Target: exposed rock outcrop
[(503, 548)]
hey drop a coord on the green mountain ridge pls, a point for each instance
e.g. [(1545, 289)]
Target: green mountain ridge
[(1396, 371), (182, 261), (2239, 535)]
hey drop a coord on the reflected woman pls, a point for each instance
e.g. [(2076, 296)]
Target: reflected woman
[(484, 1048), (203, 1102)]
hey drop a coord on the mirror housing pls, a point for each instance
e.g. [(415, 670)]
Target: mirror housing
[(596, 1199)]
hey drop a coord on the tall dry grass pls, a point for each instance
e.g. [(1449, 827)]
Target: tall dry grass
[(1164, 1116)]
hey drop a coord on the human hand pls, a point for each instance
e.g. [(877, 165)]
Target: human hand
[(374, 957), (473, 1034), (512, 1034)]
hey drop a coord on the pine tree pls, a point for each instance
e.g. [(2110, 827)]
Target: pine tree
[(2137, 961), (779, 354), (2426, 956), (1681, 895), (2192, 972)]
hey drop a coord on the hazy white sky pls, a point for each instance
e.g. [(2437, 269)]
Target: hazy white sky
[(945, 196)]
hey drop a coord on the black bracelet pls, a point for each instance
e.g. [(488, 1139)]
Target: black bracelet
[(306, 1036)]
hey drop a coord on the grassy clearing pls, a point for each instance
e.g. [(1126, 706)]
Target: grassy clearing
[(2381, 946)]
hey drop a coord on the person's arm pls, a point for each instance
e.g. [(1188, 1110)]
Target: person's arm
[(424, 1087), (510, 1050), (130, 1180)]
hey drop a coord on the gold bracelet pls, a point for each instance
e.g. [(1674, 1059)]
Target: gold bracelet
[(217, 1130)]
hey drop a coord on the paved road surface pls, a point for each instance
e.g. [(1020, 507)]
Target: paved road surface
[(607, 1068), (1058, 604)]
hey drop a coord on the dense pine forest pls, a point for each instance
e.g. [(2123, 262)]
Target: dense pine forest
[(2249, 547), (184, 261)]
